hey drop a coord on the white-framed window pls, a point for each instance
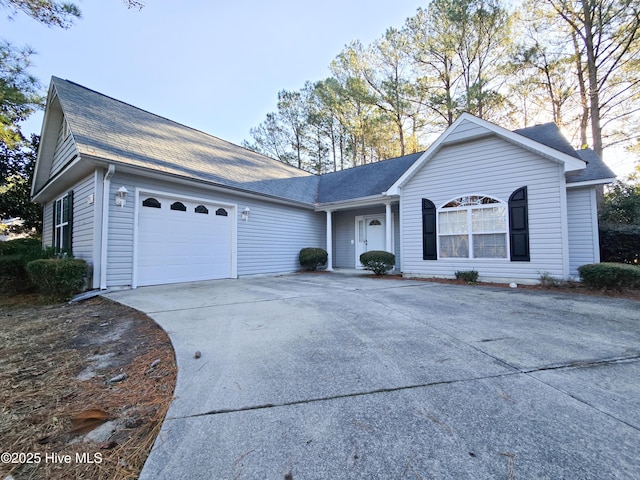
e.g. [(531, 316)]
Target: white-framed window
[(473, 226), (62, 215)]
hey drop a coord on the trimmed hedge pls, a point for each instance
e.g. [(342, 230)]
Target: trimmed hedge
[(21, 246), (378, 261), (311, 258), (58, 279), (620, 243), (616, 276)]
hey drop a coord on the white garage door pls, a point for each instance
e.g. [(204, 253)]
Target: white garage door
[(182, 241)]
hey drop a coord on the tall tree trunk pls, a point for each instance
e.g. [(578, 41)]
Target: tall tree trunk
[(584, 117), (592, 70)]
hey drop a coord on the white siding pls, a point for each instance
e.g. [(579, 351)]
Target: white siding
[(583, 232), (344, 252), (268, 243), (83, 215), (466, 130), (47, 224), (64, 152), (492, 167), (82, 226), (120, 234), (271, 240)]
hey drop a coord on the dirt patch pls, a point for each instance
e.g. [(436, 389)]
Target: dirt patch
[(84, 389)]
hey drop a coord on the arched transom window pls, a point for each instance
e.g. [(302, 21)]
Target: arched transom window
[(473, 226)]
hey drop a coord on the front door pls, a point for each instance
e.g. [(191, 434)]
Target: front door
[(371, 235)]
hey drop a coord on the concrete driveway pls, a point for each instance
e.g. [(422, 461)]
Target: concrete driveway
[(316, 376)]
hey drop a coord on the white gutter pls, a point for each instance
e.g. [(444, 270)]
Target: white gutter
[(586, 183), (106, 186), (354, 203)]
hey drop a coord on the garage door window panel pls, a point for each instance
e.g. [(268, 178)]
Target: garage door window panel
[(178, 206), (152, 203)]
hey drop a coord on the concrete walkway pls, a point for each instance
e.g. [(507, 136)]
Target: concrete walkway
[(328, 376)]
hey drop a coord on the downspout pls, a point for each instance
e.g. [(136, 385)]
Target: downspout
[(106, 187)]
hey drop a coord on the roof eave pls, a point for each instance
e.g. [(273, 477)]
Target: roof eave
[(46, 123), (586, 183), (148, 172)]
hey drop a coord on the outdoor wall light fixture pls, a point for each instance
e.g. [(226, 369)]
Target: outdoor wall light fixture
[(245, 214), (121, 196)]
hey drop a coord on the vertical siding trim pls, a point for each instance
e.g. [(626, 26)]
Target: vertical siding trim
[(564, 223), (401, 225), (329, 240), (105, 225), (97, 225), (134, 256), (595, 225)]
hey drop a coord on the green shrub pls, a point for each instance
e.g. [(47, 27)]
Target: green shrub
[(21, 246), (311, 258), (620, 243), (548, 280), (378, 261), (616, 276), (468, 276), (14, 256), (58, 279), (13, 276)]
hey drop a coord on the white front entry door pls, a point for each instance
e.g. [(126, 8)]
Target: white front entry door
[(371, 235)]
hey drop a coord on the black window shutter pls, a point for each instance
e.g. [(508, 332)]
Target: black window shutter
[(68, 231), (429, 243), (519, 226)]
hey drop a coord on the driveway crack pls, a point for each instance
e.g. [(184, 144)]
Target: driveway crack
[(341, 396)]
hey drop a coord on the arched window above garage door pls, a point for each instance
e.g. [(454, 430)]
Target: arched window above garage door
[(151, 202)]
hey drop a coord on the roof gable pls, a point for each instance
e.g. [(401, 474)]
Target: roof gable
[(108, 129), (51, 125), (468, 127)]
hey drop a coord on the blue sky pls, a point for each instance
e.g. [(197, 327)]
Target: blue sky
[(214, 66)]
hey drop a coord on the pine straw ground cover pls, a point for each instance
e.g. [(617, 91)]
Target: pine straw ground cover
[(60, 418)]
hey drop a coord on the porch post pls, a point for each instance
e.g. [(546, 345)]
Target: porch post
[(387, 225), (329, 243)]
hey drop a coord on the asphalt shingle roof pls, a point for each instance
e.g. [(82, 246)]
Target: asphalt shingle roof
[(550, 135), (363, 181), (107, 128), (596, 168)]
